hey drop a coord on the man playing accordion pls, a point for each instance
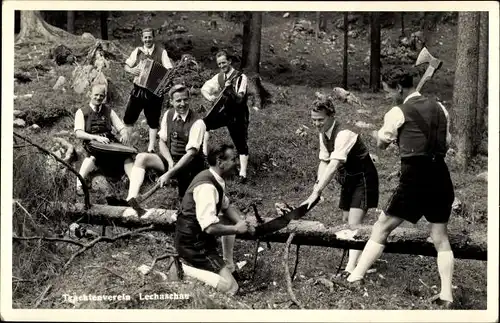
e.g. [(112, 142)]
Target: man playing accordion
[(94, 123), (236, 114), (140, 97)]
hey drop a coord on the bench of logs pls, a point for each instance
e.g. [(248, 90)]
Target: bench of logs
[(471, 245)]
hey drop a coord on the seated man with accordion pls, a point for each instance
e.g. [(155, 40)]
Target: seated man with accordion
[(94, 124), (181, 141), (149, 65)]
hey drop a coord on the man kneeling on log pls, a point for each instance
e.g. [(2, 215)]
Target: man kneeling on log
[(198, 224), (94, 122), (420, 127)]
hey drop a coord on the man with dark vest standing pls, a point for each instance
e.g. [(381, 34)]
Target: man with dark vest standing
[(96, 122), (141, 98), (420, 127), (236, 113), (344, 155), (181, 140), (198, 224)]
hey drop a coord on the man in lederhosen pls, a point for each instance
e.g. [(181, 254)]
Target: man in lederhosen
[(343, 154), (205, 214), (141, 98), (96, 121), (181, 141), (236, 114), (420, 127)]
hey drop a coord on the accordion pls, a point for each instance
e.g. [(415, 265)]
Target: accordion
[(154, 76)]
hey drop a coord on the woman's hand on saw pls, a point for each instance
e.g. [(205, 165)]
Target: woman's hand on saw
[(101, 139)]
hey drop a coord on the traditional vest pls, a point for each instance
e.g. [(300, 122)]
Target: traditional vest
[(97, 122), (155, 55), (358, 156), (231, 104), (424, 130), (178, 133), (188, 231)]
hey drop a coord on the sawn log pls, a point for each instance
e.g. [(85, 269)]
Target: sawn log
[(471, 245)]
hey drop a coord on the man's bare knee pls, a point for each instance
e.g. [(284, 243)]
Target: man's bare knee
[(141, 160), (439, 236)]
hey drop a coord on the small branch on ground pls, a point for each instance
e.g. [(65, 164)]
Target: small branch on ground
[(287, 273), (68, 166), (171, 253), (50, 239), (42, 295), (296, 261)]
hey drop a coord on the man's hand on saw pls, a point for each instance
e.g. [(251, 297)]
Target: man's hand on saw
[(124, 137), (241, 227), (101, 139), (164, 178), (251, 228), (310, 200)]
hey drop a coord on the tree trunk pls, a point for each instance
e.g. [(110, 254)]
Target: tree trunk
[(375, 51), (346, 45), (321, 23), (482, 82), (70, 24), (34, 26), (470, 245), (465, 87), (104, 25), (253, 58), (246, 39)]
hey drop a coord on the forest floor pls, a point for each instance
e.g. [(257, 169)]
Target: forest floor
[(282, 167)]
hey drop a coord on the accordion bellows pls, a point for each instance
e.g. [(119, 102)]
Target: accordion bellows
[(153, 77)]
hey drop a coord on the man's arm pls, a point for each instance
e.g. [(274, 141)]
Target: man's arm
[(238, 94), (165, 60), (388, 134), (131, 63), (80, 129), (448, 134), (119, 126), (162, 143), (206, 197), (210, 89)]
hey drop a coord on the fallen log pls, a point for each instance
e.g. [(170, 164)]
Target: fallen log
[(471, 245)]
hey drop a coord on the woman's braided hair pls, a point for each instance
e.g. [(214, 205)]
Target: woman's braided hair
[(324, 104)]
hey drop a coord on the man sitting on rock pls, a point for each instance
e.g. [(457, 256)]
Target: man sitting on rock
[(96, 121), (198, 224), (181, 139)]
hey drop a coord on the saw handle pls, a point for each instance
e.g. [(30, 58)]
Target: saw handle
[(260, 221)]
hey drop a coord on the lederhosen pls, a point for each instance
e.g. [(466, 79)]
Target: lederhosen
[(177, 139), (235, 117), (196, 247), (99, 123), (141, 98), (425, 187), (357, 175)]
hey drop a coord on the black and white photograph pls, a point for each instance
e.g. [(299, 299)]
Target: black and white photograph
[(270, 158)]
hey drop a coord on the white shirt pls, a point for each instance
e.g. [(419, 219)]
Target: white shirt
[(211, 89), (395, 118), (196, 133), (343, 143), (133, 62), (116, 122), (206, 197)]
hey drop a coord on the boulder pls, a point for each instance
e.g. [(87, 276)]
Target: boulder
[(88, 36), (19, 114), (19, 123), (59, 83), (483, 177)]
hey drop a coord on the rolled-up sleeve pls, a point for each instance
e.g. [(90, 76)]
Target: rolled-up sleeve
[(206, 197), (447, 115), (196, 135), (344, 141), (242, 89), (163, 134), (166, 60), (132, 60), (324, 155), (393, 120), (79, 121), (116, 121), (210, 89)]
